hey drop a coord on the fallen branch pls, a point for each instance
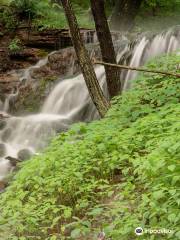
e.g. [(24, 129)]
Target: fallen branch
[(136, 69)]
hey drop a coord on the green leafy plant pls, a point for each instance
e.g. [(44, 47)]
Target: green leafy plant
[(7, 18), (25, 9), (15, 45)]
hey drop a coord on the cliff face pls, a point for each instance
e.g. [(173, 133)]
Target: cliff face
[(21, 69), (34, 82), (34, 45)]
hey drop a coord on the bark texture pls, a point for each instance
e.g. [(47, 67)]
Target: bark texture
[(124, 14), (87, 68), (106, 45)]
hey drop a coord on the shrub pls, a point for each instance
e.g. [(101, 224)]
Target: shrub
[(25, 9), (15, 45)]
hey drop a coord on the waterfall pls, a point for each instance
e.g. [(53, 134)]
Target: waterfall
[(69, 102), (147, 49), (74, 88), (135, 61)]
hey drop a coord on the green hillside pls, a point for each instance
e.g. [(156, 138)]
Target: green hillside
[(114, 175)]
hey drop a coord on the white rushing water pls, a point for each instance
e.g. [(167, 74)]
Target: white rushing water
[(68, 102)]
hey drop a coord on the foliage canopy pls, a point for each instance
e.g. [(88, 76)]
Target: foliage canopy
[(48, 14)]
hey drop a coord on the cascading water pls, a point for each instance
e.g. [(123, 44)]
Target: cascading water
[(147, 49), (31, 133), (69, 102), (135, 61)]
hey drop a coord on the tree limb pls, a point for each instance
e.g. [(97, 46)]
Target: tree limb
[(136, 69)]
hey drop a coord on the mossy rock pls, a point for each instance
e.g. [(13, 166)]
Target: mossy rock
[(24, 154)]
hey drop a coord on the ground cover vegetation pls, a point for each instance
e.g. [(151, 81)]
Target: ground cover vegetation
[(111, 175)]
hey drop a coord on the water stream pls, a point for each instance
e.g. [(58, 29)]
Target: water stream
[(69, 102)]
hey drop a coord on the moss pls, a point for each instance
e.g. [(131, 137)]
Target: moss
[(42, 53)]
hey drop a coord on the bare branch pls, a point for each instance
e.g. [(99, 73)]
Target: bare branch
[(136, 69)]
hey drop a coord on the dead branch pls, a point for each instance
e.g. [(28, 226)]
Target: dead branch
[(136, 69)]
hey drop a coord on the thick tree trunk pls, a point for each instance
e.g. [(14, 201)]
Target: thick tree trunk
[(87, 69), (107, 48), (124, 14)]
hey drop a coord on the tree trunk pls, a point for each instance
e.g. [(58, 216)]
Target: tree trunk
[(124, 14), (107, 48), (87, 69)]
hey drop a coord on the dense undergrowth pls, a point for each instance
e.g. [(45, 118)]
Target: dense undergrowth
[(43, 14), (114, 175)]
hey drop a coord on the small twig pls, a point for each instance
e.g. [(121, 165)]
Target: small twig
[(136, 69)]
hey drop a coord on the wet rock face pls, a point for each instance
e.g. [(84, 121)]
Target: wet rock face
[(58, 64), (8, 83), (34, 44), (28, 55), (52, 38), (60, 127), (40, 80), (24, 154), (62, 61)]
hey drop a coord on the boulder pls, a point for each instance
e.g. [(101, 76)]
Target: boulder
[(13, 161), (24, 154), (60, 127)]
